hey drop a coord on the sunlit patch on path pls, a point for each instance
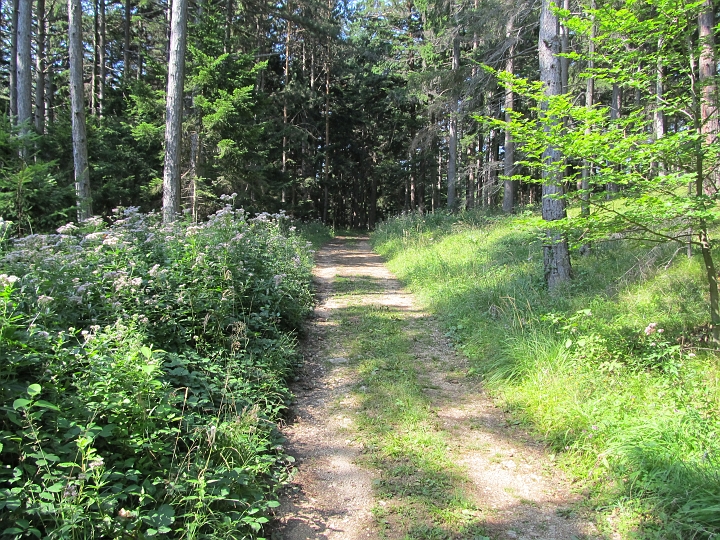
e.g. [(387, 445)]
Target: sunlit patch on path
[(393, 439)]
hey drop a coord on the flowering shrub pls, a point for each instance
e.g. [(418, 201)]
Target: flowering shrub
[(144, 367)]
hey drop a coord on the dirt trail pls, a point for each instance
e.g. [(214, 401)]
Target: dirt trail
[(512, 478)]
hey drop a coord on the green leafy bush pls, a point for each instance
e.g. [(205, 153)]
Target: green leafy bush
[(105, 435)]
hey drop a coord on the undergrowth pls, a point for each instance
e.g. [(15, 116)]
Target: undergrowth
[(144, 367), (614, 370)]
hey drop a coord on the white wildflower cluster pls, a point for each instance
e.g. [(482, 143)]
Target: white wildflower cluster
[(68, 228), (95, 221), (8, 280), (44, 300)]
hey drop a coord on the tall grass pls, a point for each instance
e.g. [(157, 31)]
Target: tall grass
[(613, 370)]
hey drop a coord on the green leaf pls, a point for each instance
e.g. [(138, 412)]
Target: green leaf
[(21, 403), (46, 405), (33, 390)]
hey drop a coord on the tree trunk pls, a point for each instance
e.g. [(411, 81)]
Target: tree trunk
[(556, 254), (286, 84), (565, 47), (13, 63), (615, 109), (40, 69), (326, 164), (24, 70), (102, 43), (126, 45), (452, 136), (229, 16), (709, 102), (50, 87), (80, 157), (589, 100), (192, 188), (174, 103), (94, 77), (509, 186)]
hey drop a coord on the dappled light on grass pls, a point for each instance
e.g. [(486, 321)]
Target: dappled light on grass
[(579, 365)]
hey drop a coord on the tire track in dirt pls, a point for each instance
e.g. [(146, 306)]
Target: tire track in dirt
[(510, 475)]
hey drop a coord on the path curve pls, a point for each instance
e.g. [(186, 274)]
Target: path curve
[(511, 476)]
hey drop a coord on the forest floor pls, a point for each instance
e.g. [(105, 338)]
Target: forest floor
[(394, 439)]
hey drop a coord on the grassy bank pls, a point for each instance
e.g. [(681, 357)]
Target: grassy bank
[(144, 367), (613, 370)]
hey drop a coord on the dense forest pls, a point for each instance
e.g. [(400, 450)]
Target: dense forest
[(348, 113), (176, 157)]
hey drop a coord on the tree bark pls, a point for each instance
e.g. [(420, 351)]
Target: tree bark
[(615, 109), (102, 43), (452, 135), (326, 165), (565, 48), (556, 254), (710, 125), (24, 69), (77, 98), (126, 44), (509, 186), (50, 87), (40, 69), (173, 115), (589, 102), (659, 115), (13, 63)]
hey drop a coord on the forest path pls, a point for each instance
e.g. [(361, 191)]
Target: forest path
[(393, 440)]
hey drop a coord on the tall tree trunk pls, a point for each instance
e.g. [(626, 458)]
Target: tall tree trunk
[(173, 119), (94, 75), (126, 44), (326, 170), (556, 254), (13, 63), (658, 114), (24, 70), (40, 69), (50, 87), (509, 186), (615, 110), (102, 45), (452, 135), (229, 16), (77, 98), (710, 125), (565, 48), (286, 84), (589, 101), (192, 188), (372, 217)]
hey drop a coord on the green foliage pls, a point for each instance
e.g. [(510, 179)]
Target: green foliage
[(30, 195), (614, 371), (105, 435)]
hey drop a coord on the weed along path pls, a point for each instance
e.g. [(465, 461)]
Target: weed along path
[(393, 440)]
